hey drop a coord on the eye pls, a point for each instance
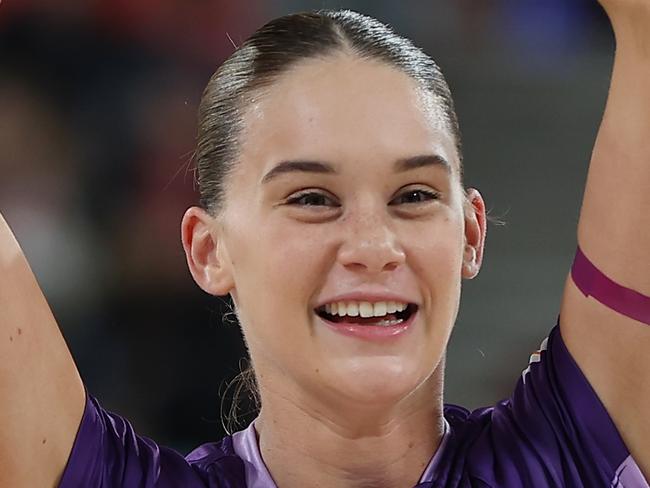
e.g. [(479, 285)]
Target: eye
[(415, 196), (312, 199)]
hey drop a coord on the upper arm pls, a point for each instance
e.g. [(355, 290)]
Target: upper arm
[(614, 233), (612, 352), (41, 394)]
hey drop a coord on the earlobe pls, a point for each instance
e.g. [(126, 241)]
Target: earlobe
[(470, 265), (475, 232), (205, 252)]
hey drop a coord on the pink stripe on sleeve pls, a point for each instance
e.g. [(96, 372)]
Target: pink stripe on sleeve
[(592, 282)]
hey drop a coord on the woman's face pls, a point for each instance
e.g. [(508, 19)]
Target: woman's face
[(375, 215)]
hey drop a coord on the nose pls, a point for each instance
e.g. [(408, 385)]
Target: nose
[(370, 246)]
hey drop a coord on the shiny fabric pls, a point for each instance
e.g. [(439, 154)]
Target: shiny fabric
[(245, 444), (552, 432)]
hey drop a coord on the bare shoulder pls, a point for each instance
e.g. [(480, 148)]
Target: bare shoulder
[(41, 394)]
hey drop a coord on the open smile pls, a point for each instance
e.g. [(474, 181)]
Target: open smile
[(387, 326)]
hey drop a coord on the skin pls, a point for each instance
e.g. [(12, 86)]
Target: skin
[(38, 378), (334, 407), (614, 232), (39, 381)]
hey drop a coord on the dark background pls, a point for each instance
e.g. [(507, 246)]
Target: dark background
[(98, 104)]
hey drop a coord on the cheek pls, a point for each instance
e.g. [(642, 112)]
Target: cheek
[(275, 269), (435, 260), (291, 257), (437, 248)]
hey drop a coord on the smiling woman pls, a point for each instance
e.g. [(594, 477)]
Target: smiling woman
[(334, 214), (347, 169)]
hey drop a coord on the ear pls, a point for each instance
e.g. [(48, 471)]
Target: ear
[(475, 231), (205, 251)]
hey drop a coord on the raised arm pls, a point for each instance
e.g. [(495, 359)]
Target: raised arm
[(41, 394), (612, 349)]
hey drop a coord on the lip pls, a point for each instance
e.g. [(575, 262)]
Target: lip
[(371, 332), (368, 297)]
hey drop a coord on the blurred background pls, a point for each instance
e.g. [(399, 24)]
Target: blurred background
[(98, 105)]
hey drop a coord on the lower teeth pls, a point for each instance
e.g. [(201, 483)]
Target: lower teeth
[(386, 323), (379, 323)]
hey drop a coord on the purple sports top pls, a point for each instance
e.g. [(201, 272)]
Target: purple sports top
[(552, 432)]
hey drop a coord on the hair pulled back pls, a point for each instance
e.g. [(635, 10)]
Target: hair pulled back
[(271, 51)]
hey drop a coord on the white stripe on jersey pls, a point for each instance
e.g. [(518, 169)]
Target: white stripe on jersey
[(535, 357)]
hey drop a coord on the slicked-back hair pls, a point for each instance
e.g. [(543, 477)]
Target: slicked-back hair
[(270, 52)]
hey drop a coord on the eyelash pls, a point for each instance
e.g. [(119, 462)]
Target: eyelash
[(296, 199)]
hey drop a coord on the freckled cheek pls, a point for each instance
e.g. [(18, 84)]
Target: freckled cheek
[(437, 267), (279, 269), (298, 265), (435, 254)]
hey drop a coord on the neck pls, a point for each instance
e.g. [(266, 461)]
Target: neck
[(348, 446)]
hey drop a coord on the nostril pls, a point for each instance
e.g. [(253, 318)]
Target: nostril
[(392, 266)]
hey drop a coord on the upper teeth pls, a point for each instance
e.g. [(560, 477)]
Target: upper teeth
[(364, 309)]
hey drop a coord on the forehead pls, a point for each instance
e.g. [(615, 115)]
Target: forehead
[(343, 108)]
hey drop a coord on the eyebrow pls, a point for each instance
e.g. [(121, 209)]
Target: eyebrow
[(400, 166)]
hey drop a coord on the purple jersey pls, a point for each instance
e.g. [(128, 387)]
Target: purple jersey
[(552, 432)]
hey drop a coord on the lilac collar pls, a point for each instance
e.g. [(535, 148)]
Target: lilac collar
[(246, 447)]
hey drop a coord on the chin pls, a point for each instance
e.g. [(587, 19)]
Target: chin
[(383, 381)]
